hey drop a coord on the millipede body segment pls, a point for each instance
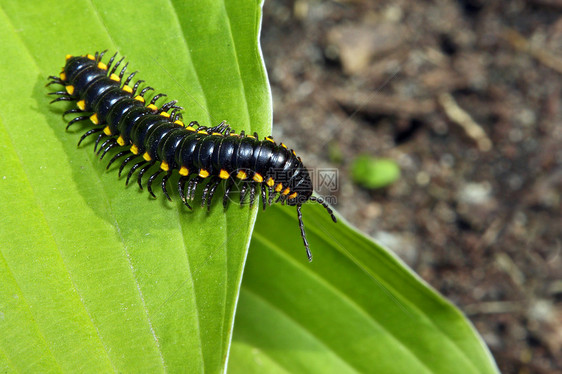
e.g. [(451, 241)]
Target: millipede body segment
[(155, 138)]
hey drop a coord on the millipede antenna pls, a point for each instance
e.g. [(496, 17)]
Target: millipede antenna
[(303, 234), (321, 201)]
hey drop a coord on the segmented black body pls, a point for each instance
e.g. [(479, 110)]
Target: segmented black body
[(150, 136)]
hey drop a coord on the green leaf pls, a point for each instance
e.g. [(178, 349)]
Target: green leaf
[(96, 276), (373, 173), (355, 308)]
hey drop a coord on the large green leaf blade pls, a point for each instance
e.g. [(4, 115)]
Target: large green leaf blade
[(355, 308), (95, 276)]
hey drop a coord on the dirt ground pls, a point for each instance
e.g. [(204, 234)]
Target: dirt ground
[(466, 97)]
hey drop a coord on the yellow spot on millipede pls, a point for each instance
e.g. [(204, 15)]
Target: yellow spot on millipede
[(270, 182), (178, 122), (120, 140), (189, 128), (134, 150), (286, 192), (102, 66), (279, 187), (81, 105), (203, 173), (223, 174), (202, 132), (91, 57), (164, 166), (184, 171), (127, 89), (139, 98), (216, 133), (146, 156), (107, 130), (241, 175), (293, 195), (70, 89), (152, 107), (63, 76), (164, 114), (68, 57), (258, 178), (115, 77), (94, 119)]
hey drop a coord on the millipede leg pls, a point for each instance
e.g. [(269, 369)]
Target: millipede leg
[(111, 61), (125, 161), (141, 173), (205, 192), (243, 193), (122, 73), (104, 144), (272, 194), (156, 97), (192, 187), (212, 193), (227, 189), (61, 93), (145, 90), (54, 80), (114, 158), (129, 78), (263, 196), (181, 191), (221, 127), (169, 105), (90, 132), (150, 180), (74, 120), (209, 192), (62, 98), (163, 184), (252, 194), (135, 167), (115, 67), (114, 144), (100, 137), (71, 111), (100, 55)]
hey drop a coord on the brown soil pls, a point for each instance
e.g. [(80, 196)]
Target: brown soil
[(466, 97)]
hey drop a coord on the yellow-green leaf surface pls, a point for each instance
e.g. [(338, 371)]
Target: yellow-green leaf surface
[(355, 308), (99, 277)]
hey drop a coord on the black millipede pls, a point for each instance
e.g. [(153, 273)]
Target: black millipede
[(146, 135)]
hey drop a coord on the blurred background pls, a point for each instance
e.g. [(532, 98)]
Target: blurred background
[(444, 120)]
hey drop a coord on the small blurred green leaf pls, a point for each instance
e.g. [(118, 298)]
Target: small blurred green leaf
[(370, 172), (335, 153)]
